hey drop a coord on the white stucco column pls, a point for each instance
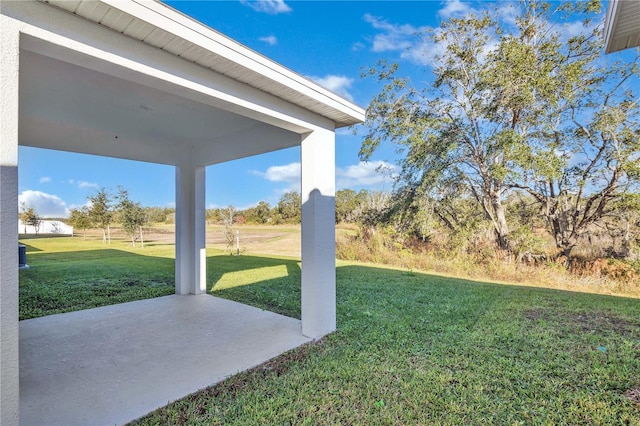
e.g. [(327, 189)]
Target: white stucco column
[(9, 360), (318, 233), (191, 267)]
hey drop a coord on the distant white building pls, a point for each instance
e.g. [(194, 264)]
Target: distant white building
[(46, 227)]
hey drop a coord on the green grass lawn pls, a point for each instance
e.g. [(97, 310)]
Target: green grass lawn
[(69, 274), (411, 348)]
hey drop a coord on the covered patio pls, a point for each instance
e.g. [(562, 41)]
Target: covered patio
[(138, 80), (110, 365)]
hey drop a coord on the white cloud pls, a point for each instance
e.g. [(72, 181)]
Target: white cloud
[(393, 37), (83, 184), (287, 173), (45, 179), (455, 8), (272, 7), (357, 46), (270, 40), (404, 38), (45, 205), (369, 173), (508, 13), (362, 174), (338, 84), (576, 28)]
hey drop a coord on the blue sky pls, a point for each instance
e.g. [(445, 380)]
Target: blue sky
[(330, 42)]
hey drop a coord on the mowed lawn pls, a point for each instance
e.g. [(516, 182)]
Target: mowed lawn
[(411, 348)]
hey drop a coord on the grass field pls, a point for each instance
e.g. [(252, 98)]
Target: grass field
[(411, 348)]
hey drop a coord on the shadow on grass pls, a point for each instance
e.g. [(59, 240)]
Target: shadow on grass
[(30, 248), (71, 281)]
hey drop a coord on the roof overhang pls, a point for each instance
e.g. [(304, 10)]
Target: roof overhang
[(622, 25), (138, 80), (161, 26)]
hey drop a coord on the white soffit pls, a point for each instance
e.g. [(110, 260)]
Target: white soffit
[(622, 25), (161, 26)]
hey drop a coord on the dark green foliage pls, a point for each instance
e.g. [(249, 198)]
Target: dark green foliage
[(351, 205), (101, 212), (514, 107), (80, 219), (260, 214), (289, 208), (130, 215)]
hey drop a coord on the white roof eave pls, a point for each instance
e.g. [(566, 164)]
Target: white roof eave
[(161, 26), (622, 25)]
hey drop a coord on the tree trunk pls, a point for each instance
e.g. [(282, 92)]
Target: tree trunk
[(104, 235), (502, 230), (109, 233), (141, 238), (625, 250), (500, 225)]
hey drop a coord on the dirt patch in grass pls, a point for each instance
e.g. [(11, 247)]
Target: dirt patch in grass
[(587, 322), (536, 314), (634, 396), (597, 321)]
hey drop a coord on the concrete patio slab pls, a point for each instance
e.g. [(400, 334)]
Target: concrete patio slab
[(113, 364)]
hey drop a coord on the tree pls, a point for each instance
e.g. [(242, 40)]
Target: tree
[(261, 213), (228, 215), (510, 107), (30, 217), (350, 205), (158, 214), (132, 216), (22, 215), (289, 207), (80, 219), (101, 214), (624, 225)]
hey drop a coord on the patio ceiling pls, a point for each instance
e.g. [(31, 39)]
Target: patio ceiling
[(69, 107)]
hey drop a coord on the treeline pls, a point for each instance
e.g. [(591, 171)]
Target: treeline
[(400, 222), (286, 211), (107, 208)]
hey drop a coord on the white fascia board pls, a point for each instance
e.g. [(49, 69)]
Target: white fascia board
[(168, 19), (609, 24)]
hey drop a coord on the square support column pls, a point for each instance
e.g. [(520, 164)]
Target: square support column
[(191, 256), (318, 233), (9, 358)]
